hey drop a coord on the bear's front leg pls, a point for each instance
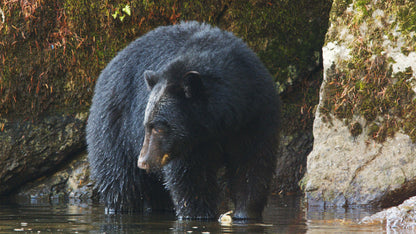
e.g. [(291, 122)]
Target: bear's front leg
[(193, 187), (249, 177), (249, 191)]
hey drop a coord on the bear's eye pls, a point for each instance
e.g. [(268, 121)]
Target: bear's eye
[(156, 130)]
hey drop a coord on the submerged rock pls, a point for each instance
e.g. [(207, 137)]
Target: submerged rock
[(364, 149), (397, 219), (72, 182)]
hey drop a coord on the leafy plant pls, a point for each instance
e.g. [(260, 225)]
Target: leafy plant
[(121, 13)]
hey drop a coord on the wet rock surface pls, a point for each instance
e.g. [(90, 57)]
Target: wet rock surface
[(71, 182), (31, 149), (400, 219), (291, 165)]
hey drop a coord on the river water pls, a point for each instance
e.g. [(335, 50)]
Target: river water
[(282, 215)]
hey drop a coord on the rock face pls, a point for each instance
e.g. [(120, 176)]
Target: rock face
[(29, 149), (71, 182), (364, 151)]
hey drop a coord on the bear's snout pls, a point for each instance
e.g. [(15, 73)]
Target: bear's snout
[(150, 157), (142, 162)]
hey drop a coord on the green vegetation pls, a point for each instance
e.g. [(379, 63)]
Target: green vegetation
[(52, 51)]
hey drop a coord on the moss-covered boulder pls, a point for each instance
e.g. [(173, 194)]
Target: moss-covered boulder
[(365, 125)]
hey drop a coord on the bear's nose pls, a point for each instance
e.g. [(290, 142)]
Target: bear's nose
[(142, 164)]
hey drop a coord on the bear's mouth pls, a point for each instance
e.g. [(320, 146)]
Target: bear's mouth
[(146, 164), (164, 160)]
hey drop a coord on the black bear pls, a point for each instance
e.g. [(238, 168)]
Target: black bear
[(172, 109)]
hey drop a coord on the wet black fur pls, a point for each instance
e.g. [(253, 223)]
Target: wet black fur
[(225, 116)]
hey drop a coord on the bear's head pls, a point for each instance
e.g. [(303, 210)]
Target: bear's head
[(171, 117)]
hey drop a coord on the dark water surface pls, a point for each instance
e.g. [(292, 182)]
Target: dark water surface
[(282, 215)]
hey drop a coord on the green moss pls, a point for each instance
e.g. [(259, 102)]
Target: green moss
[(385, 100), (407, 17), (339, 7)]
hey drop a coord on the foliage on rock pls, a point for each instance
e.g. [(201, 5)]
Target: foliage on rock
[(370, 82)]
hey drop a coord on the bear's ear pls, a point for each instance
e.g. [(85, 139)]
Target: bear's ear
[(151, 79), (192, 84)]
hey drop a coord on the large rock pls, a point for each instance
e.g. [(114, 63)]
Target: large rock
[(364, 151), (31, 149)]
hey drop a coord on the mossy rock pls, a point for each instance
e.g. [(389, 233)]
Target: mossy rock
[(370, 83)]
